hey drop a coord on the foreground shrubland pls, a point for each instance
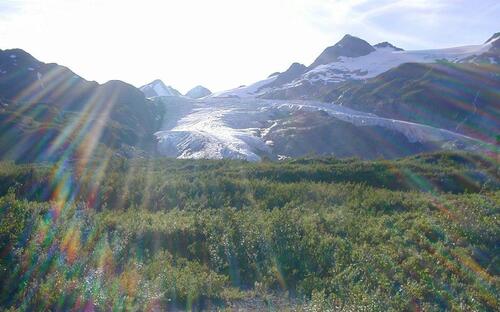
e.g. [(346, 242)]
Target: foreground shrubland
[(309, 234)]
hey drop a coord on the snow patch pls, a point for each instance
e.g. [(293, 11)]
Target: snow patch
[(382, 60), (252, 90), (158, 88)]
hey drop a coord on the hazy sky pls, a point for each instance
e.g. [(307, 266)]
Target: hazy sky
[(225, 43)]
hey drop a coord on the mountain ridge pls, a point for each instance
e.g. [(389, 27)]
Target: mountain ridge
[(47, 102), (364, 90), (348, 46), (158, 88)]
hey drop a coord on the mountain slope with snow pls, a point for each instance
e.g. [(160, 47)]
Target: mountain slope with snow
[(253, 90), (158, 88), (377, 62), (354, 59), (348, 46), (279, 117), (198, 92)]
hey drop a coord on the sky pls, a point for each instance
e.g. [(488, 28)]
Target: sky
[(222, 44)]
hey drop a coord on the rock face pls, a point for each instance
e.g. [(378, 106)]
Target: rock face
[(198, 92), (349, 46), (292, 73), (158, 88)]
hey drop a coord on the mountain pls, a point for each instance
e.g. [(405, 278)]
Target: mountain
[(451, 88), (305, 133), (368, 102), (493, 40), (349, 46), (357, 100), (253, 90), (25, 79), (273, 81), (158, 88), (491, 56), (322, 79), (293, 72), (48, 105), (198, 92), (461, 97), (353, 59)]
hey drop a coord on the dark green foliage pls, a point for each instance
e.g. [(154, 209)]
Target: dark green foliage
[(414, 233)]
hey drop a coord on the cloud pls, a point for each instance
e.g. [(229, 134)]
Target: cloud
[(411, 23)]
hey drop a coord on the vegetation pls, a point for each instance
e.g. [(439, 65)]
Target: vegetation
[(419, 233), (461, 97)]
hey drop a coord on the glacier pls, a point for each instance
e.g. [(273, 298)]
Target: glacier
[(239, 123), (237, 128)]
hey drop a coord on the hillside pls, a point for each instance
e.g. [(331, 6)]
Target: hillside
[(459, 97), (48, 112), (417, 233)]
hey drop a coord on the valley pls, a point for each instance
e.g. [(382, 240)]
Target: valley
[(249, 129), (366, 181)]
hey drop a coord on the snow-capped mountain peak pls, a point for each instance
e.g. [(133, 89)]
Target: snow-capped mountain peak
[(348, 46), (198, 92), (355, 59), (293, 72), (384, 57), (158, 88)]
